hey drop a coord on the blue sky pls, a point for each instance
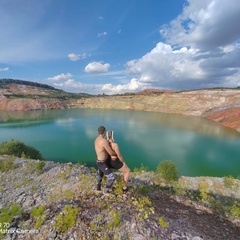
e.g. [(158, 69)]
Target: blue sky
[(117, 46)]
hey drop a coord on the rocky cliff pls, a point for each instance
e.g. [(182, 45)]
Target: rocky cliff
[(220, 105), (60, 202)]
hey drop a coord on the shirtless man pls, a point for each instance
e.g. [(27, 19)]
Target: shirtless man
[(103, 150)]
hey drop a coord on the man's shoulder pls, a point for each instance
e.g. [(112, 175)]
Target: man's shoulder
[(103, 140), (100, 140)]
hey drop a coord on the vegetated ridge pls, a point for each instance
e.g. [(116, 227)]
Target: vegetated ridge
[(220, 104)]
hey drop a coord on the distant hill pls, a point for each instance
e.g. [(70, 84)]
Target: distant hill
[(6, 81), (22, 89), (26, 95)]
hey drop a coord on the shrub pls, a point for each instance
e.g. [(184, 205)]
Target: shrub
[(203, 188), (141, 169), (163, 223), (67, 218), (168, 170), (7, 215), (7, 165), (144, 207), (39, 166), (36, 166), (235, 210), (19, 149), (228, 181), (39, 215)]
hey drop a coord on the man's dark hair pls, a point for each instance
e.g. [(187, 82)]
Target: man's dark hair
[(101, 129)]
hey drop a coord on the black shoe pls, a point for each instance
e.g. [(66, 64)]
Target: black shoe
[(98, 187), (125, 189)]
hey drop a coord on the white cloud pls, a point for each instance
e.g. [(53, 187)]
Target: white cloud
[(70, 85), (6, 69), (164, 65), (61, 77), (205, 24), (97, 67), (73, 57), (102, 34), (133, 85), (76, 57)]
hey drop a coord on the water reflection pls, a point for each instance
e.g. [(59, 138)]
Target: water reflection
[(189, 123), (198, 146)]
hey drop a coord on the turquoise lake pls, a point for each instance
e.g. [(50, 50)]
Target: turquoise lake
[(198, 146)]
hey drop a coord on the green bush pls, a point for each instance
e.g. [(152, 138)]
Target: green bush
[(141, 169), (67, 218), (39, 215), (36, 166), (235, 210), (228, 181), (168, 170), (7, 214), (163, 223), (19, 149), (144, 207), (7, 165)]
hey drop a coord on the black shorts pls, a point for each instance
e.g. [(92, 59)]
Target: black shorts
[(115, 164), (104, 167)]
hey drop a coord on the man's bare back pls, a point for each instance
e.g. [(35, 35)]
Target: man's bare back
[(102, 148)]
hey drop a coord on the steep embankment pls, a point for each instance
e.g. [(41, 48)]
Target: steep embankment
[(220, 105)]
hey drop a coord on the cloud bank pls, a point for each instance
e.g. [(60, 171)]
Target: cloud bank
[(201, 49)]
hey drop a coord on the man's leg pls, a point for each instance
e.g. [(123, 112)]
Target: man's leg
[(110, 180), (104, 169), (99, 179)]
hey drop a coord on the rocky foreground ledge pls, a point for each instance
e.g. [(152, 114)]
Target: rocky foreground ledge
[(60, 202)]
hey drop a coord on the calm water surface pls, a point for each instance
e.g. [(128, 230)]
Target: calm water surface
[(199, 147)]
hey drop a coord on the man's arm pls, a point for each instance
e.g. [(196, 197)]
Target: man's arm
[(108, 148), (117, 150)]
